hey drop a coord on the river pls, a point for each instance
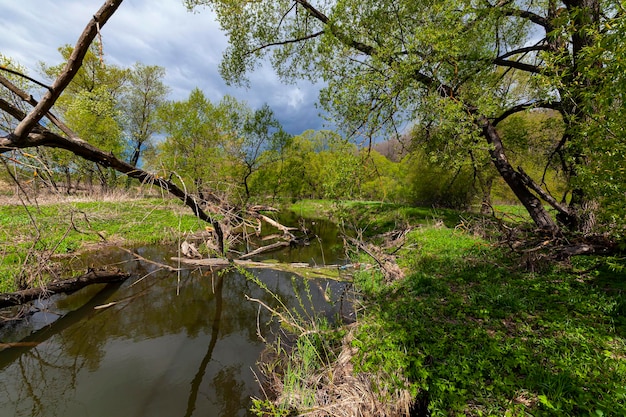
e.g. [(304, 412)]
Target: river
[(161, 343)]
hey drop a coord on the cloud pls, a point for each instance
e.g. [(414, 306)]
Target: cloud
[(153, 32)]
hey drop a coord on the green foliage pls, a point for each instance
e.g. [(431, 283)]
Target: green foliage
[(432, 184), (216, 147), (142, 97), (94, 117), (601, 137), (481, 336), (90, 107), (451, 69), (323, 165), (383, 180), (192, 147)]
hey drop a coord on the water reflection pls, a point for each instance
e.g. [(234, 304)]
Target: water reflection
[(169, 345)]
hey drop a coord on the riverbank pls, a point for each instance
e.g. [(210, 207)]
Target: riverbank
[(471, 329), (33, 236)]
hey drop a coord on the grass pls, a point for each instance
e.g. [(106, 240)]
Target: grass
[(33, 234), (473, 331), (372, 217), (476, 334), (468, 331)]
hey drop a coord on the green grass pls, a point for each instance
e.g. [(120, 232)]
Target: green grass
[(28, 234), (479, 335), (373, 217)]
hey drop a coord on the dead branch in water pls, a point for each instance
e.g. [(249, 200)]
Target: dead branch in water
[(68, 285), (336, 272), (264, 249)]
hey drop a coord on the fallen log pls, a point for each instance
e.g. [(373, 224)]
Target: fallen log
[(285, 229), (64, 286), (336, 272)]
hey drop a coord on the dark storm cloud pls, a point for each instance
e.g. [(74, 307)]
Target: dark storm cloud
[(153, 32)]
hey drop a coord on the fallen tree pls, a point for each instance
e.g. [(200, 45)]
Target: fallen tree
[(30, 133), (64, 286), (298, 268)]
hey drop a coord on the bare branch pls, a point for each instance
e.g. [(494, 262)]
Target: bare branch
[(528, 15), (534, 69), (545, 196), (359, 46), (526, 106), (19, 74), (285, 42), (535, 48), (30, 100)]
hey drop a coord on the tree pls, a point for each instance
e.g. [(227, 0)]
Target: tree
[(30, 133), (90, 105), (391, 62), (145, 93), (259, 132), (195, 130)]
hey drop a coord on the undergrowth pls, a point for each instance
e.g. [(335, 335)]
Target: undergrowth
[(307, 368), (476, 334)]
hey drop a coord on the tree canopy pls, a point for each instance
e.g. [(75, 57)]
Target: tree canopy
[(462, 66)]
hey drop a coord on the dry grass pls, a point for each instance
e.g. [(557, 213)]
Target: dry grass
[(335, 389), (48, 198)]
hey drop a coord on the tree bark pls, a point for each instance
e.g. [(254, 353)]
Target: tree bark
[(514, 179)]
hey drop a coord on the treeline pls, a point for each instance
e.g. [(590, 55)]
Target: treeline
[(228, 151), (321, 164)]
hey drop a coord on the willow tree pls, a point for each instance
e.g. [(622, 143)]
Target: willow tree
[(450, 63), (144, 94), (90, 106)]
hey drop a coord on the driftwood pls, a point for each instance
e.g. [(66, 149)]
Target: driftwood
[(264, 249), (286, 230), (68, 285), (298, 268)]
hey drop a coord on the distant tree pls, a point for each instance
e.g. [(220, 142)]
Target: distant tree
[(252, 134), (90, 106), (144, 94), (195, 130), (290, 175)]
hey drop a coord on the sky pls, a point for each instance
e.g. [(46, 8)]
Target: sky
[(154, 32)]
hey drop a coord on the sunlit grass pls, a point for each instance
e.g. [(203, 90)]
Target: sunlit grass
[(59, 228), (478, 334)]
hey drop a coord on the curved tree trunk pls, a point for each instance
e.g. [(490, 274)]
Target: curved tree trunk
[(514, 179)]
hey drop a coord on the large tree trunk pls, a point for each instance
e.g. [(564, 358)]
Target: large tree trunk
[(514, 179), (584, 24)]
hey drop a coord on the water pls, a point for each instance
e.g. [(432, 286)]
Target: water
[(173, 344)]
